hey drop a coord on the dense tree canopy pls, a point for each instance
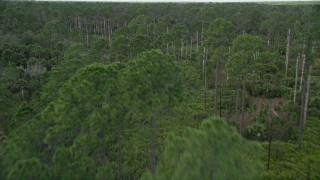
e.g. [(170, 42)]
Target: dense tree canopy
[(215, 150), (129, 91)]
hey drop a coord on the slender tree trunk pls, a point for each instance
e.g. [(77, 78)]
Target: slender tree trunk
[(313, 46), (22, 92), (287, 52), (205, 78), (101, 27), (119, 154), (171, 47), (237, 102), (216, 87), (296, 80), (174, 49), (302, 70), (220, 101), (191, 49), (152, 147), (202, 33), (204, 52), (307, 97), (181, 49), (167, 48), (242, 106), (104, 26), (87, 41), (302, 106), (109, 34), (186, 51), (197, 40), (78, 22), (268, 40), (69, 23)]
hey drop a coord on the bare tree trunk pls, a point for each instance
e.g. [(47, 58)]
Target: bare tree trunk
[(242, 106), (79, 22), (304, 106), (69, 23), (307, 97), (181, 49), (87, 41), (301, 114), (172, 46), (104, 26), (94, 26), (119, 154), (313, 46), (237, 101), (101, 28), (167, 48), (204, 51), (220, 114), (296, 80), (287, 52), (202, 33), (186, 55), (268, 39), (197, 40), (205, 78), (109, 34), (302, 70), (22, 92), (191, 49), (216, 87), (152, 147), (174, 49)]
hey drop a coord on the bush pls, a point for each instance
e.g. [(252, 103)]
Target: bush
[(257, 131)]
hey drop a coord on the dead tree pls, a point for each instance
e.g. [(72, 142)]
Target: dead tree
[(287, 52), (296, 80), (242, 105), (304, 106)]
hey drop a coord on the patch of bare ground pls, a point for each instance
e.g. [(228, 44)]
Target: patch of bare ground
[(258, 103)]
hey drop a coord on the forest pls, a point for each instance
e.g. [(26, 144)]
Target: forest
[(159, 90)]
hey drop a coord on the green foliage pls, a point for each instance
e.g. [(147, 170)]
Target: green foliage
[(87, 109), (179, 31), (120, 47), (247, 44), (214, 150), (29, 169), (59, 112), (288, 163), (220, 33), (139, 44), (156, 84), (24, 113)]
